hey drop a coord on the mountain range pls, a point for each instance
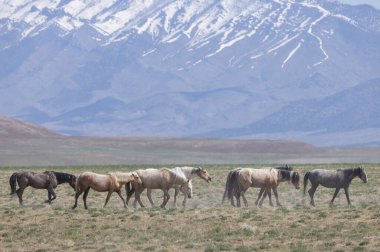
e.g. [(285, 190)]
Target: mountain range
[(274, 69)]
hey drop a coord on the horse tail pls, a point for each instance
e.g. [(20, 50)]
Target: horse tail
[(305, 179), (232, 185), (12, 182), (226, 186), (129, 190)]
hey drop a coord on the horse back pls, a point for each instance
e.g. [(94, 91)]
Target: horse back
[(326, 178), (251, 177), (36, 180), (152, 178), (98, 182)]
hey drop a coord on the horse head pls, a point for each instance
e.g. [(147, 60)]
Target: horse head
[(362, 174), (203, 174), (187, 188), (295, 178), (136, 178)]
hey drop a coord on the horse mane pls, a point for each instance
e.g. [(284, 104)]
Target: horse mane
[(295, 176), (196, 169), (176, 175), (121, 176), (284, 167), (285, 174), (62, 177)]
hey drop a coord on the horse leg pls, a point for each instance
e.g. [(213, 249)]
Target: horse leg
[(184, 200), (85, 197), (347, 196), (262, 198), (51, 193), (233, 201), (176, 190), (276, 196), (77, 194), (311, 192), (238, 201), (121, 197), (129, 193), (166, 198), (108, 198), (244, 199), (259, 196), (49, 197), (270, 197), (19, 192), (149, 194), (137, 198), (335, 194)]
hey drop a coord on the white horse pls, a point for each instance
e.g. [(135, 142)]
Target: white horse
[(186, 173)]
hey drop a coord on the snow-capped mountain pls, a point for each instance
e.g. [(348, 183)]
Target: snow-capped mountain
[(179, 68)]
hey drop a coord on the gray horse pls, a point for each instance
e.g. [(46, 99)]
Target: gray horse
[(338, 179)]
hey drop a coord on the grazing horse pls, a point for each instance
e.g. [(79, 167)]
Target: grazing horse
[(40, 181), (163, 179), (337, 179), (112, 182), (189, 173), (241, 179)]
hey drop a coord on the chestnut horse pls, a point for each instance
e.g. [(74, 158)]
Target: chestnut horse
[(112, 182)]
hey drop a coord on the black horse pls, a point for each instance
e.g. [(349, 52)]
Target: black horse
[(45, 180)]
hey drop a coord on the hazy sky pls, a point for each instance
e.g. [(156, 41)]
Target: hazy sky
[(375, 3)]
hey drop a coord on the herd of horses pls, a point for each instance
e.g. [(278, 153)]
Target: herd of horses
[(238, 181)]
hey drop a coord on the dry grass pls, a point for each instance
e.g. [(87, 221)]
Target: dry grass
[(205, 225)]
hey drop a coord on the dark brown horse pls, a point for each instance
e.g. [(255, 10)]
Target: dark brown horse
[(45, 180)]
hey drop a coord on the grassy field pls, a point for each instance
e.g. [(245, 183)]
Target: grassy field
[(205, 225)]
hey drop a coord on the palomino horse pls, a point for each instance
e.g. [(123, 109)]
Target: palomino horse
[(337, 179), (241, 179), (163, 179), (46, 180), (262, 190), (112, 182), (188, 173)]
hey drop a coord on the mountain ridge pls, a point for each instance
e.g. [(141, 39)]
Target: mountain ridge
[(178, 68)]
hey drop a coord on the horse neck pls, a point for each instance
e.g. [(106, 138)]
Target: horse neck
[(122, 178), (355, 173), (178, 179), (185, 172), (284, 175), (62, 177)]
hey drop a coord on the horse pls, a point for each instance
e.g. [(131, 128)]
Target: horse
[(268, 178), (112, 182), (189, 173), (163, 179), (340, 178), (46, 180), (262, 190)]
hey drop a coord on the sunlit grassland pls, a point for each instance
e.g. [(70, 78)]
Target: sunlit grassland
[(204, 225)]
